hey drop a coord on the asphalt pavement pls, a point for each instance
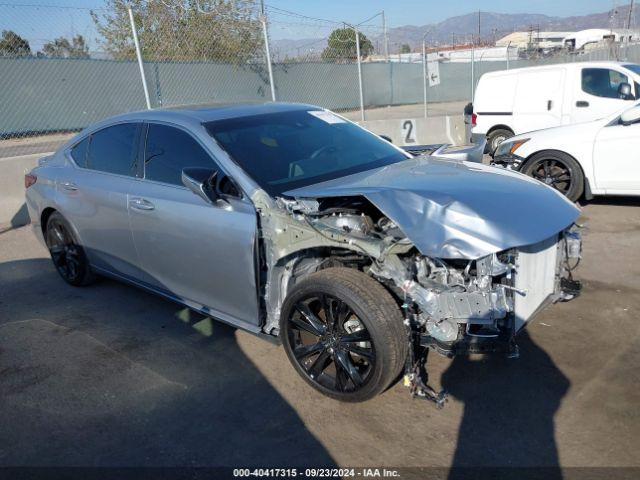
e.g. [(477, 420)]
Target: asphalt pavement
[(108, 375)]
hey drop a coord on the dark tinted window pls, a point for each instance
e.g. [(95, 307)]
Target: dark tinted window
[(286, 150), (79, 153), (602, 82), (168, 151), (113, 149)]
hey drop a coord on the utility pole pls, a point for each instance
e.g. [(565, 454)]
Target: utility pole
[(385, 38), (479, 27), (629, 17)]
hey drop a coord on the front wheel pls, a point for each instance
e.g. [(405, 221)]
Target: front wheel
[(558, 170), (343, 333)]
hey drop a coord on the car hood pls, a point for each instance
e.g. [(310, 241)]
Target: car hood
[(452, 209), (572, 131)]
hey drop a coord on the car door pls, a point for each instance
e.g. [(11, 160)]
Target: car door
[(616, 158), (596, 93), (93, 196), (193, 250)]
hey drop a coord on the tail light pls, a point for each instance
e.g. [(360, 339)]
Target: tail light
[(29, 179), (474, 119)]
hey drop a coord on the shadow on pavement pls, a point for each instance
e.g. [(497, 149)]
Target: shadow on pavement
[(109, 375), (509, 410)]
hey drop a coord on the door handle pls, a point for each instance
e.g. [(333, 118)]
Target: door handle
[(549, 104), (70, 186), (582, 104), (141, 204)]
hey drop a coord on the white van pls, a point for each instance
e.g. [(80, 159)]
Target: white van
[(511, 102)]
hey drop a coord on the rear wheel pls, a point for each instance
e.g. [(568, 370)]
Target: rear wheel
[(558, 170), (495, 138), (343, 333), (68, 256)]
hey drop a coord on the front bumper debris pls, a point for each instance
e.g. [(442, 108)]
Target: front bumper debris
[(510, 162)]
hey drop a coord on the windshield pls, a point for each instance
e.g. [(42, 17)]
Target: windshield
[(286, 150), (633, 67)]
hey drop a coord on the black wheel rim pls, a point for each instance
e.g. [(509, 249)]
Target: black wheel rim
[(330, 343), (554, 173), (66, 254)]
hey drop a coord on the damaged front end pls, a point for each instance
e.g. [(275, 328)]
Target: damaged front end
[(451, 305)]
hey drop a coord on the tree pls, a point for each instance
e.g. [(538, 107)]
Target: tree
[(405, 48), (341, 45), (62, 47), (213, 30), (13, 45)]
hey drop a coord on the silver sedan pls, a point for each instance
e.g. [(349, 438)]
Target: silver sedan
[(288, 220)]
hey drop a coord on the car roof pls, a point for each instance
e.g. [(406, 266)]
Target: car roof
[(208, 113), (593, 64)]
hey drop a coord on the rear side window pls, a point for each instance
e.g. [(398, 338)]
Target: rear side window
[(169, 150), (79, 152), (602, 82), (113, 149)]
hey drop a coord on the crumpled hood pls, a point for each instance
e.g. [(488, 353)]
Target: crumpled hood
[(452, 209)]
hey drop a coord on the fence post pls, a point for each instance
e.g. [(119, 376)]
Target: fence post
[(139, 55), (473, 54), (263, 19), (424, 75), (359, 74)]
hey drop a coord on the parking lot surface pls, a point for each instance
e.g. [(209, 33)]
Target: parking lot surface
[(109, 375)]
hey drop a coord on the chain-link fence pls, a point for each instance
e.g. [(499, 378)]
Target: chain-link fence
[(64, 68)]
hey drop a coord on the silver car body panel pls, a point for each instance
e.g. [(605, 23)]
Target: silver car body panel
[(206, 256), (452, 209)]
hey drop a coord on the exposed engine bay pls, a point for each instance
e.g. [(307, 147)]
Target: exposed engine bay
[(452, 306)]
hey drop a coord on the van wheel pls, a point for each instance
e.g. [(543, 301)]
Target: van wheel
[(495, 138), (558, 170), (343, 333)]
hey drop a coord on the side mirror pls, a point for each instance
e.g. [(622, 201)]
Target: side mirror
[(624, 91), (630, 116), (202, 182)]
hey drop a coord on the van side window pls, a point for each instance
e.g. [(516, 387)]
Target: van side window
[(79, 152), (602, 82)]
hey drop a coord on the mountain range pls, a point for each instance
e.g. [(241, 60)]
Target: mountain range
[(463, 28)]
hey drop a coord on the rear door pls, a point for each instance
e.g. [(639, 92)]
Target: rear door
[(93, 196), (190, 249), (595, 93), (538, 101)]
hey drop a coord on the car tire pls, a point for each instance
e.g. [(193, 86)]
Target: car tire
[(558, 170), (362, 310), (495, 138), (67, 254)]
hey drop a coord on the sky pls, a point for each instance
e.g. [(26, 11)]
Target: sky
[(52, 18)]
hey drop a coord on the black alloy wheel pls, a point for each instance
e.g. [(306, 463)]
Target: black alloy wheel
[(343, 333), (67, 255), (559, 171), (330, 343)]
